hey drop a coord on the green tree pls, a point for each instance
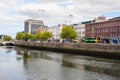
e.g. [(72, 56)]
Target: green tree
[(43, 35), (46, 35), (27, 36), (19, 35), (37, 36), (7, 38), (68, 33)]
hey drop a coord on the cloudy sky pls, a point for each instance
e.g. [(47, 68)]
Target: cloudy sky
[(13, 13)]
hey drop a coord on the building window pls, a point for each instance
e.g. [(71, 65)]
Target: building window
[(113, 34), (107, 29), (111, 29), (110, 34), (116, 29)]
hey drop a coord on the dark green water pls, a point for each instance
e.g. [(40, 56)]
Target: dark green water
[(24, 64)]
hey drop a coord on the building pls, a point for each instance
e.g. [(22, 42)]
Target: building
[(43, 29), (2, 37), (80, 29), (31, 26), (56, 30), (103, 28)]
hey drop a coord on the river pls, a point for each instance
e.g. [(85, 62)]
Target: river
[(24, 64)]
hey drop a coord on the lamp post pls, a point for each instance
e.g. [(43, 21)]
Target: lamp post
[(70, 15), (69, 20), (41, 10)]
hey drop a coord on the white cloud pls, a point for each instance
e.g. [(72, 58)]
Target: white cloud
[(57, 9), (14, 12)]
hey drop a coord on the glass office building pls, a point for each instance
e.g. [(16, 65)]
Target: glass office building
[(31, 26)]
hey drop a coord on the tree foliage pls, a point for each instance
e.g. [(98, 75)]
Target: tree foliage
[(68, 33), (46, 35), (27, 36), (7, 38), (37, 36), (19, 35), (43, 35)]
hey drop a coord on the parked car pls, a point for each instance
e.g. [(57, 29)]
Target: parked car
[(89, 40), (106, 40), (115, 40), (98, 40)]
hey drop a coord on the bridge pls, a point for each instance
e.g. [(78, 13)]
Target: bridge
[(7, 43)]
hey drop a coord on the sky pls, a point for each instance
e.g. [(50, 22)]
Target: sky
[(13, 13)]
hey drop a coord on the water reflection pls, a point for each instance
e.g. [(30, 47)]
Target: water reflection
[(24, 64), (9, 48), (10, 68), (68, 67)]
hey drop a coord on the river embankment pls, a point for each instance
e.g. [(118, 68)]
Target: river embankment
[(111, 51)]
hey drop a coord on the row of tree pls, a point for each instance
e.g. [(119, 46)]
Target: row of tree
[(67, 33), (38, 36)]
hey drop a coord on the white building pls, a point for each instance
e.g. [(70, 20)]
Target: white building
[(55, 32), (80, 29)]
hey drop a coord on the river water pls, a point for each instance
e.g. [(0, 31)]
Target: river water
[(24, 64)]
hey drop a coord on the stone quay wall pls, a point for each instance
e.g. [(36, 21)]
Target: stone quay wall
[(88, 49)]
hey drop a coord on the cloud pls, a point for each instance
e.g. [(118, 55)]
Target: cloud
[(53, 12), (59, 9)]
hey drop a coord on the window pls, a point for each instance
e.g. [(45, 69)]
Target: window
[(110, 34), (111, 29), (113, 34)]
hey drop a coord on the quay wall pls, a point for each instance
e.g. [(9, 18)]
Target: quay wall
[(88, 49)]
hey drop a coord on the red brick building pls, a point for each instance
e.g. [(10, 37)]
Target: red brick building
[(42, 29), (107, 28)]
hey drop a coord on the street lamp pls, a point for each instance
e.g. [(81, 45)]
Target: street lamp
[(41, 10), (70, 18)]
